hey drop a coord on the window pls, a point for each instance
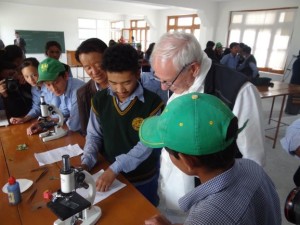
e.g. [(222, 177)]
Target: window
[(116, 30), (186, 23), (267, 32), (139, 29), (91, 28)]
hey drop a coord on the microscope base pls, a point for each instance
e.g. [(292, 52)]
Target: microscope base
[(52, 135), (93, 214)]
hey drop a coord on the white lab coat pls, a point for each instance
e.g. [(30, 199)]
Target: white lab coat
[(173, 183)]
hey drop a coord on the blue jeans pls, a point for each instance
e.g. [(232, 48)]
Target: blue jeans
[(149, 189)]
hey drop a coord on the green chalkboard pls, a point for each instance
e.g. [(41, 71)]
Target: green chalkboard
[(36, 40)]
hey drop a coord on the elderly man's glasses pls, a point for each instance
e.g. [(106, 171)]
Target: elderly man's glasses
[(169, 84)]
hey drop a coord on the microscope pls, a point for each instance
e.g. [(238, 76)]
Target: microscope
[(68, 205), (46, 111)]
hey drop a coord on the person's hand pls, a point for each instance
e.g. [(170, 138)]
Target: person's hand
[(105, 180), (3, 90), (34, 128), (158, 220), (18, 120)]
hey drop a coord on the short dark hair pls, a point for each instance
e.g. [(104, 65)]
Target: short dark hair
[(31, 61), (246, 49), (12, 52), (119, 58), (6, 66), (50, 44), (210, 44), (90, 45), (219, 160), (233, 44)]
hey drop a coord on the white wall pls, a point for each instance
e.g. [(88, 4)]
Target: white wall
[(214, 17)]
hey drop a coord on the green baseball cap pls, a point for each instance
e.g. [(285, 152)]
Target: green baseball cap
[(49, 69), (219, 45), (193, 124)]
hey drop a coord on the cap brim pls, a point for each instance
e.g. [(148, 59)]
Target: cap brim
[(48, 77), (150, 133)]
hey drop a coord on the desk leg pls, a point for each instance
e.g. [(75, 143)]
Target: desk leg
[(279, 120), (271, 111)]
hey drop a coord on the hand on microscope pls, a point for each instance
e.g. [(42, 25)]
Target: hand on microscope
[(105, 180), (36, 127)]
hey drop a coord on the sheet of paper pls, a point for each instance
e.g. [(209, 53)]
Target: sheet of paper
[(3, 118), (55, 155), (116, 186)]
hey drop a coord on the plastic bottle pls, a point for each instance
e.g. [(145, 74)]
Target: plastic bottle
[(13, 191)]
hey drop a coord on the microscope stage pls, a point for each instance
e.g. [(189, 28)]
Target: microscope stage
[(64, 207)]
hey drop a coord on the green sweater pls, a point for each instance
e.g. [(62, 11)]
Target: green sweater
[(121, 129)]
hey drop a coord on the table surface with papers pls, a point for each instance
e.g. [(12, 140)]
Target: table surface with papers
[(126, 206)]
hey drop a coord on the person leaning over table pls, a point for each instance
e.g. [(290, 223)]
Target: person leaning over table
[(182, 67), (199, 133), (15, 97), (90, 55), (29, 70), (291, 144), (53, 75), (114, 123)]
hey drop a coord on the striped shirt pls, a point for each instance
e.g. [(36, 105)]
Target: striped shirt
[(244, 194)]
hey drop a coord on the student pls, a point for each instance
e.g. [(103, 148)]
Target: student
[(90, 55), (53, 50), (291, 144), (16, 97), (231, 60), (114, 123), (29, 69), (248, 66), (182, 67), (199, 132), (53, 75)]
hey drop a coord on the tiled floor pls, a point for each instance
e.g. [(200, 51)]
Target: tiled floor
[(279, 165)]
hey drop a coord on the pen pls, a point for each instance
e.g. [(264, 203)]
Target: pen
[(39, 168), (32, 194), (41, 175)]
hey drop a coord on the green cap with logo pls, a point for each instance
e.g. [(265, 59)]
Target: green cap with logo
[(49, 69), (193, 124)]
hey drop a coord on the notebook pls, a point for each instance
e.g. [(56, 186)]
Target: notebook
[(3, 118)]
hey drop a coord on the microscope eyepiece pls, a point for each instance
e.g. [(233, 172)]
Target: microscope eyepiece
[(66, 165)]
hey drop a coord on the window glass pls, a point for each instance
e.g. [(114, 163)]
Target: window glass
[(267, 32), (172, 22), (185, 21)]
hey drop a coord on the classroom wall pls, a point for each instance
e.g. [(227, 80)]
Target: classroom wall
[(214, 17), (32, 17)]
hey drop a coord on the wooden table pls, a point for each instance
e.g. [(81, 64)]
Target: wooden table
[(126, 206), (279, 89)]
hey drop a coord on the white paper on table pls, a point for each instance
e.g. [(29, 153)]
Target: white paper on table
[(116, 186), (55, 155)]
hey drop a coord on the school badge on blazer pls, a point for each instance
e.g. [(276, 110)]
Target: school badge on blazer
[(136, 123)]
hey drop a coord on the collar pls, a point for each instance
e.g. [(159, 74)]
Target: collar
[(198, 85), (138, 92), (214, 185)]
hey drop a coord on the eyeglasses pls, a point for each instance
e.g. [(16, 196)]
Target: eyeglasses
[(169, 84)]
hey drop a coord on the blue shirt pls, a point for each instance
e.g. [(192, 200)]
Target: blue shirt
[(68, 104), (49, 97), (230, 60), (148, 82), (244, 194), (94, 141)]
